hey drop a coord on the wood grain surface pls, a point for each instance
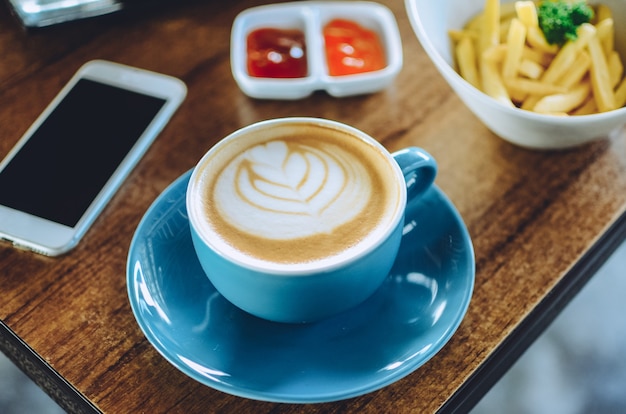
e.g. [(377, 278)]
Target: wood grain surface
[(533, 216)]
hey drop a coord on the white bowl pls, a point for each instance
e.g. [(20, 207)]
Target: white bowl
[(310, 17), (431, 21)]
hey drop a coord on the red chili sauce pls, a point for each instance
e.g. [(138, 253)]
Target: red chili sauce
[(352, 49), (276, 53)]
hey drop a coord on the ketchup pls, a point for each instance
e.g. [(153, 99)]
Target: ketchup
[(276, 53), (352, 49)]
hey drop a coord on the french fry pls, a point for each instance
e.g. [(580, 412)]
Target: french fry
[(516, 95), (538, 41), (616, 68), (531, 69), (567, 55), (600, 77), (542, 58), (577, 72), (505, 26), (527, 13), (620, 94), (530, 102), (466, 59), (606, 34), (457, 35), (533, 87), (563, 102), (507, 10), (495, 54), (490, 27), (515, 47), (492, 83), (587, 108)]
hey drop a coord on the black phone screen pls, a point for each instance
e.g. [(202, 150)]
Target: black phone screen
[(63, 166)]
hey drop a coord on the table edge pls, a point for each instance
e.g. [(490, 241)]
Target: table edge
[(40, 372), (512, 347)]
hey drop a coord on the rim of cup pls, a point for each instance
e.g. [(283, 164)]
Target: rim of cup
[(201, 227)]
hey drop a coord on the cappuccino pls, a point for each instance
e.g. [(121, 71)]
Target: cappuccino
[(297, 193)]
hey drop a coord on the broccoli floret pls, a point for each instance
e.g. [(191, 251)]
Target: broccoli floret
[(559, 19)]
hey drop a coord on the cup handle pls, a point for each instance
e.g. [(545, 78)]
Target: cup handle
[(419, 169)]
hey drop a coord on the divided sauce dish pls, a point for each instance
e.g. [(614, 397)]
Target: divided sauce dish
[(310, 17)]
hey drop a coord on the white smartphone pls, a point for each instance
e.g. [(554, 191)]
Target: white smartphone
[(69, 163)]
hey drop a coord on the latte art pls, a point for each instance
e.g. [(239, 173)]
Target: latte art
[(295, 195), (284, 190)]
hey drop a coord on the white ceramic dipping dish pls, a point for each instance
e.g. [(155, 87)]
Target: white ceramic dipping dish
[(310, 17)]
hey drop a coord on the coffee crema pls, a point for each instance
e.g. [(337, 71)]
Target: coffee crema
[(297, 194)]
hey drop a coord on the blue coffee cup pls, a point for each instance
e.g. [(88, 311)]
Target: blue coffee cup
[(305, 291)]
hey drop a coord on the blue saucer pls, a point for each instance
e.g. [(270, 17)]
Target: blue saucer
[(404, 324)]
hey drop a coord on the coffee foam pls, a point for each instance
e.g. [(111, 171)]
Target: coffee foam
[(284, 190), (298, 194)]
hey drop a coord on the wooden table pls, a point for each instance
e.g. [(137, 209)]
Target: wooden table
[(541, 222)]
